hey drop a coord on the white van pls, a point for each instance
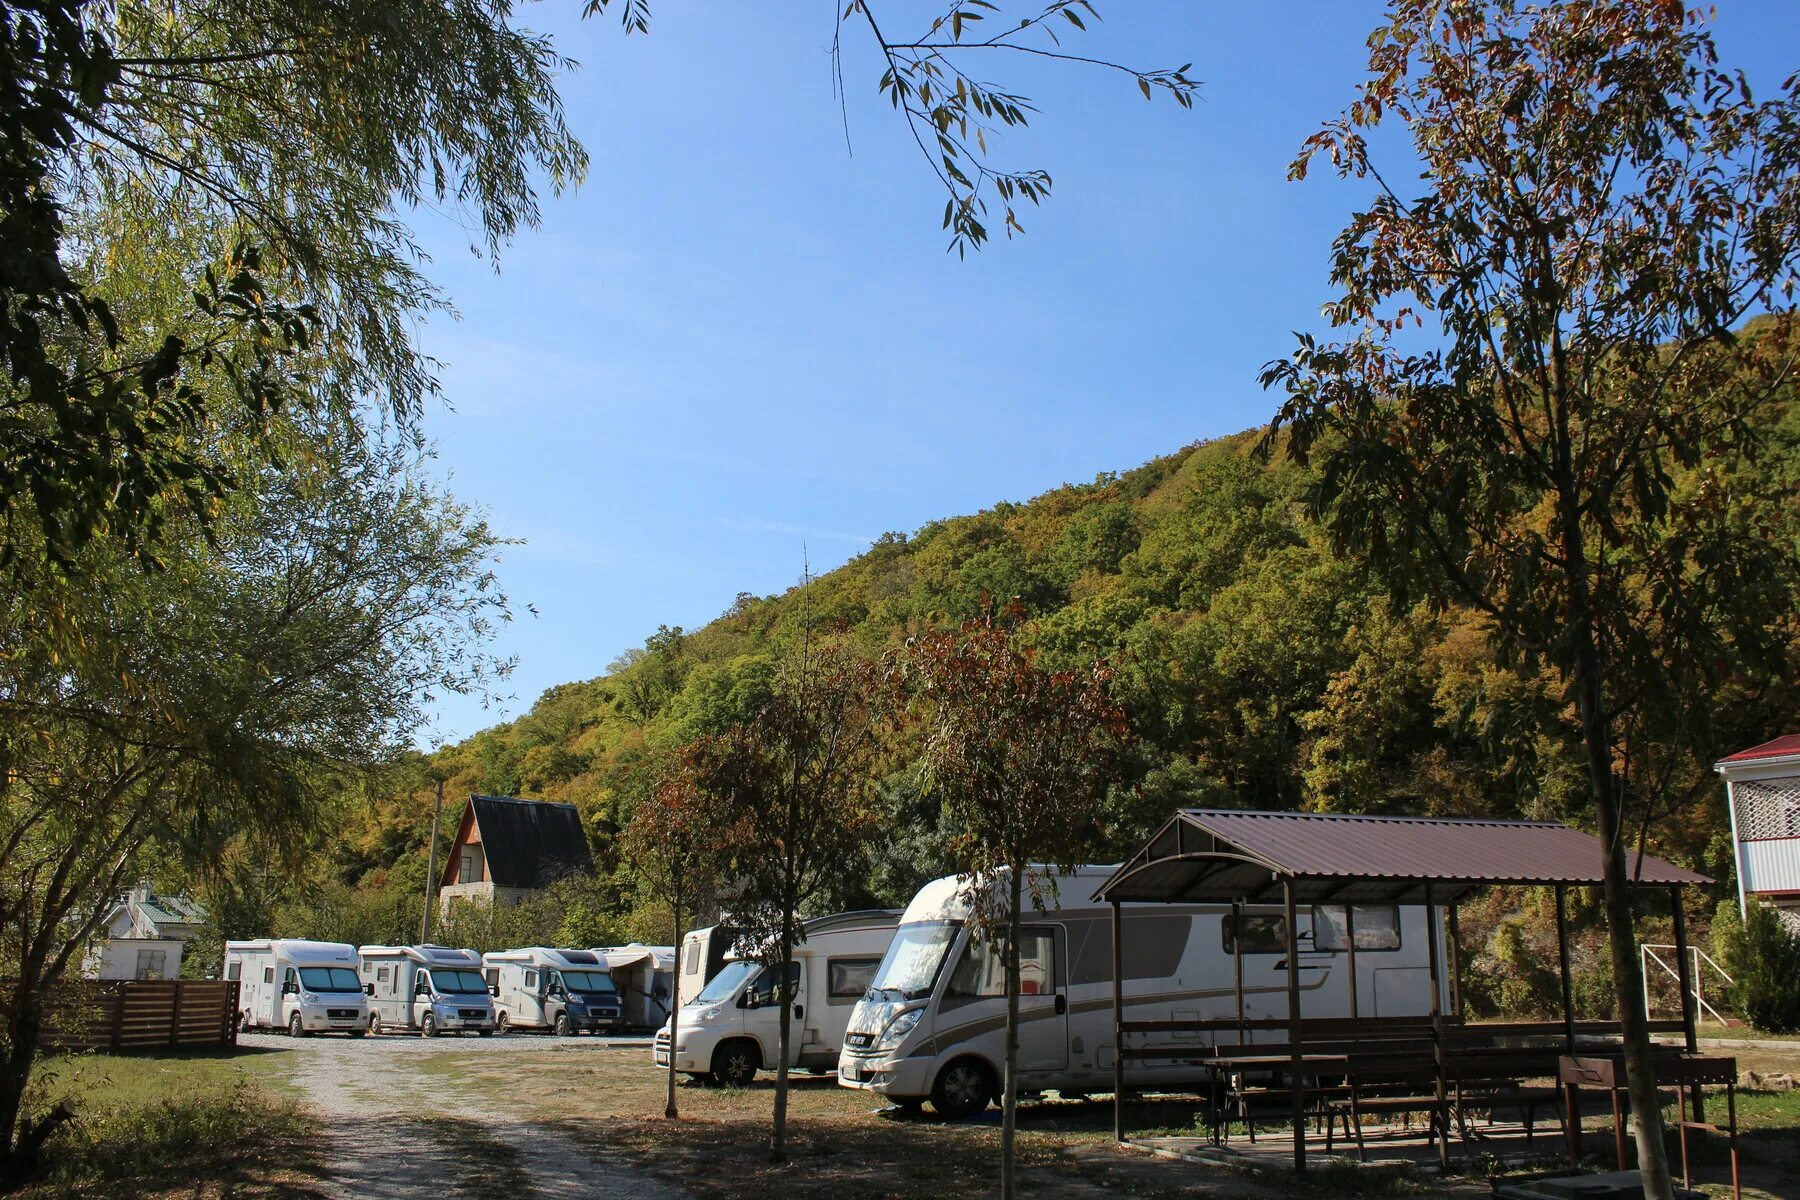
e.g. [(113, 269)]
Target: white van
[(302, 987), (933, 1025), (541, 987), (732, 1028), (426, 989)]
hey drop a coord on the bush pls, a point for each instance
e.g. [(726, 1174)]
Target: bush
[(1762, 954)]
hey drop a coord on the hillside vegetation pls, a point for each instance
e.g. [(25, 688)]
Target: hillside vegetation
[(1260, 669)]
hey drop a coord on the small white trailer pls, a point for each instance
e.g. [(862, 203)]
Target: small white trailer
[(645, 977), (934, 1023), (731, 1028), (300, 986), (426, 989), (544, 987)]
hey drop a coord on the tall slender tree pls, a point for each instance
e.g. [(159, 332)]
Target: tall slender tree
[(797, 782), (1022, 760), (678, 845), (1548, 385)]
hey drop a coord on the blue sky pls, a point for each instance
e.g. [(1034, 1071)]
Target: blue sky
[(740, 342)]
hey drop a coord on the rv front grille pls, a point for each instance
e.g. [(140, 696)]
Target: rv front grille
[(860, 1040), (472, 1014), (340, 1014)]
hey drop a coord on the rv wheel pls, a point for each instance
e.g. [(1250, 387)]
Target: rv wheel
[(428, 1027), (562, 1025), (245, 1025), (295, 1028), (963, 1089), (374, 1022), (735, 1063), (502, 1025)]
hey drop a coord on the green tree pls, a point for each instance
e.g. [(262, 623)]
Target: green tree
[(797, 782), (1602, 206), (678, 847), (296, 638), (1022, 759)]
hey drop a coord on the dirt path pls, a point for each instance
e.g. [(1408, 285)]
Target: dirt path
[(396, 1132)]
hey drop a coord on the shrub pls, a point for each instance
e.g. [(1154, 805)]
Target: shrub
[(1762, 953)]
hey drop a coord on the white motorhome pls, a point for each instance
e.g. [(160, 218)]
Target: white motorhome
[(302, 987), (933, 1025), (731, 1028), (645, 977), (541, 987), (426, 989)]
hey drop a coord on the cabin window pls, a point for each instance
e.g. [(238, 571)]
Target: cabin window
[(268, 974), (1261, 934), (761, 992), (849, 978), (1377, 927), (234, 970), (530, 979), (982, 971), (693, 958), (151, 963)]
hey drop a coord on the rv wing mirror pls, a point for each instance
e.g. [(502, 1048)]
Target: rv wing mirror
[(290, 988), (1062, 1004), (368, 989), (493, 989), (799, 1012)]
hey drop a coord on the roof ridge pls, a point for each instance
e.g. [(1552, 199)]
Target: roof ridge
[(1329, 816)]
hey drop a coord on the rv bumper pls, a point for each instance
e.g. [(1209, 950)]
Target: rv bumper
[(320, 1020), (886, 1076)]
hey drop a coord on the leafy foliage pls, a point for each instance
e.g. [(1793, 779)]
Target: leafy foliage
[(1761, 952)]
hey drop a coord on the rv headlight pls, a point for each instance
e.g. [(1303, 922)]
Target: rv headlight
[(708, 1015), (308, 998), (898, 1028)]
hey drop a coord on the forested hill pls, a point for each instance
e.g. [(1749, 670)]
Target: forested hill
[(1259, 669)]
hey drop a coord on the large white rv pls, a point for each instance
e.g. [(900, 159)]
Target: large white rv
[(302, 987), (541, 987), (933, 1025), (731, 1028), (426, 989)]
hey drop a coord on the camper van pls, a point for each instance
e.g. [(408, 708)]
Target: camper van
[(425, 989), (564, 991), (645, 977), (933, 1025), (302, 987), (731, 1027)]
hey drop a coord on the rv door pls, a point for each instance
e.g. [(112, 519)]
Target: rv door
[(979, 982)]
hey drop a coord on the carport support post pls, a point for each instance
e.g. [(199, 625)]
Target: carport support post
[(1441, 1113), (1456, 986), (1118, 999), (1562, 959), (1293, 991)]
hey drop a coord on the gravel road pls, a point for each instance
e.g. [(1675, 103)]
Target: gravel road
[(390, 1136)]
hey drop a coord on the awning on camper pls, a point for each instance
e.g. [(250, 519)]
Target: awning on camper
[(619, 958), (1223, 855)]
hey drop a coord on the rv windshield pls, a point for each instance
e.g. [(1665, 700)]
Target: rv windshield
[(329, 979), (588, 981), (726, 983), (913, 961), (458, 981)]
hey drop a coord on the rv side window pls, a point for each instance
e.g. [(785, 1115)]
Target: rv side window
[(268, 974), (1377, 927), (762, 990), (234, 970), (1261, 935), (849, 978), (381, 974), (492, 975), (530, 979), (982, 971), (693, 958)]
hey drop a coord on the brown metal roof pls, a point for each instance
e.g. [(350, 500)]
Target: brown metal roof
[(1217, 855)]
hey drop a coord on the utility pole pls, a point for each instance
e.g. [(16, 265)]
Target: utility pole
[(437, 812)]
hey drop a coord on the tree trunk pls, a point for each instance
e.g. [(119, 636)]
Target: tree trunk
[(1640, 1067), (24, 1022), (1009, 1104), (669, 1109), (778, 1139)]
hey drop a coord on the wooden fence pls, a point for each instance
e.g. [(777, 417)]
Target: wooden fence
[(142, 1013)]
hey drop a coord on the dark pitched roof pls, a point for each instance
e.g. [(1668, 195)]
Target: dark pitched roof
[(1782, 747), (530, 843), (1217, 855)]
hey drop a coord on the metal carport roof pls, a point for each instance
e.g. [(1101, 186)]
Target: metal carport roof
[(1222, 855)]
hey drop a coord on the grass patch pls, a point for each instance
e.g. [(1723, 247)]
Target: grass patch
[(240, 1142)]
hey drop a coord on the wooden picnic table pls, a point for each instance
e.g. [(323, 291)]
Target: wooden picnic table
[(1674, 1068)]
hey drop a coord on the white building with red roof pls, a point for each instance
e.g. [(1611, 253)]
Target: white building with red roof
[(1762, 787)]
